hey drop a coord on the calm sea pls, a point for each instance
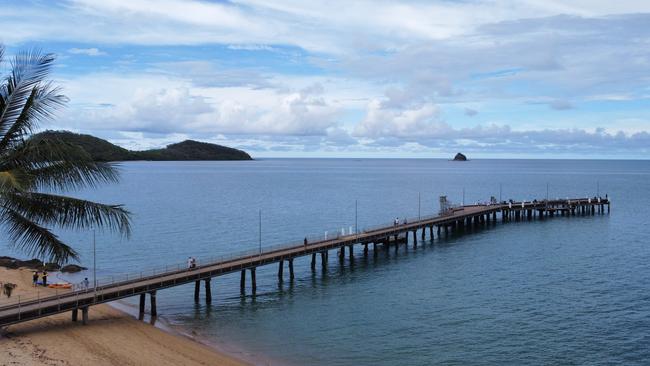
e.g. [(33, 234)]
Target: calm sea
[(565, 291)]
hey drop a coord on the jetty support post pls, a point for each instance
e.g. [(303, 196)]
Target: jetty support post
[(430, 232), (365, 249), (253, 281), (351, 251), (84, 315), (415, 238), (197, 290), (143, 297), (152, 298), (242, 282), (313, 261), (291, 276), (75, 314), (208, 291), (281, 270)]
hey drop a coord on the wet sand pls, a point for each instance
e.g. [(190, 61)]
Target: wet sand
[(112, 337)]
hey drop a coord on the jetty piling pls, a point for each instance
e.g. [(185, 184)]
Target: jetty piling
[(208, 291)]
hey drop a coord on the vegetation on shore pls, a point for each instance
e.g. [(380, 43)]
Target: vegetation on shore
[(33, 167), (102, 150)]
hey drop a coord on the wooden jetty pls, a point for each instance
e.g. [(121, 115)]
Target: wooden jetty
[(452, 219)]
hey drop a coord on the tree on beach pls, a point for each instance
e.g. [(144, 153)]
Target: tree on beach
[(34, 169)]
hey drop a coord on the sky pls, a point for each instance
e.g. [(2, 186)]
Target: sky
[(421, 79)]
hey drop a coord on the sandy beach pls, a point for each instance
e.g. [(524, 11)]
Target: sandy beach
[(112, 337)]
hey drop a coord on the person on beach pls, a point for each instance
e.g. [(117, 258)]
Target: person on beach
[(44, 278), (35, 279)]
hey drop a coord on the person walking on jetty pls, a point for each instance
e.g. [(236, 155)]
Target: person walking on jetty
[(191, 263), (35, 279), (305, 241)]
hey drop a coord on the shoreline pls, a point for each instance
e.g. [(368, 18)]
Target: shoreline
[(161, 322), (112, 336)]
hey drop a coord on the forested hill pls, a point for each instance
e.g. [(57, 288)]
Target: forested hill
[(102, 150)]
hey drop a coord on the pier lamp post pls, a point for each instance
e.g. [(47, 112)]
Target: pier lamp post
[(94, 263), (463, 196), (260, 232), (419, 207), (500, 189), (547, 191), (356, 217)]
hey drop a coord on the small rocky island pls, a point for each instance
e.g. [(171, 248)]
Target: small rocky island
[(460, 157)]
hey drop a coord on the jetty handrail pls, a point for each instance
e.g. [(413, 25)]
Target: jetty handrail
[(156, 271), (334, 235)]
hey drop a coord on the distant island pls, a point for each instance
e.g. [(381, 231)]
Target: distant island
[(460, 157), (102, 150)]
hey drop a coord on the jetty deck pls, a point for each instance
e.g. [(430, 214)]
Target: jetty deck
[(453, 219)]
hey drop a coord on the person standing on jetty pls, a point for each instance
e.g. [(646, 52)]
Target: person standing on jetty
[(35, 279), (44, 278)]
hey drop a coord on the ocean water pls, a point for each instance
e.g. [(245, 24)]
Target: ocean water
[(564, 291)]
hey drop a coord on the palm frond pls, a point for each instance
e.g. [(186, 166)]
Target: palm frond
[(31, 164), (28, 69), (54, 164), (40, 105), (74, 175), (35, 239), (13, 180), (68, 212)]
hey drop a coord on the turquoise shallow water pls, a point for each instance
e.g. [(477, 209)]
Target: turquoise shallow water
[(566, 291)]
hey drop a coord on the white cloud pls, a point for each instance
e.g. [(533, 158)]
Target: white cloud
[(384, 73), (328, 26), (161, 104), (419, 120), (87, 51)]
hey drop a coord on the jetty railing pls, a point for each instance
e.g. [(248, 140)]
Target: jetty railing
[(329, 235)]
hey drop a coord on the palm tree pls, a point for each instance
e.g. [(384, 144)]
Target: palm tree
[(34, 168)]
